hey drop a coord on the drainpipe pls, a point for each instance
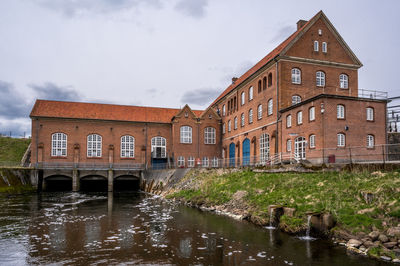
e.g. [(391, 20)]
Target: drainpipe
[(277, 108), (145, 146), (198, 138)]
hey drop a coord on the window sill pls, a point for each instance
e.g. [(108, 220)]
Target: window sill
[(341, 118), (296, 83), (310, 121), (185, 143), (96, 158), (371, 121), (127, 158), (58, 157)]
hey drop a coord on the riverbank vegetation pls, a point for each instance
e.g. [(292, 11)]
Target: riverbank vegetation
[(12, 149), (359, 201)]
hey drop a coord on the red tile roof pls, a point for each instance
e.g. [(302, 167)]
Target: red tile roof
[(263, 61), (79, 110)]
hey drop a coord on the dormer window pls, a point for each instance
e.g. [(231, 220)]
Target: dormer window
[(316, 46), (324, 47)]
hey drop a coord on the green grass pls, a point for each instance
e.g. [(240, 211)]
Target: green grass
[(12, 149), (339, 193), (12, 190)]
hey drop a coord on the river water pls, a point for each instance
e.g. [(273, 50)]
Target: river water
[(137, 228)]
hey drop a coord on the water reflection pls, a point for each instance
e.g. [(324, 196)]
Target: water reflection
[(73, 228)]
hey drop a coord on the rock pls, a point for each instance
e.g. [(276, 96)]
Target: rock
[(369, 244), (368, 196), (392, 239), (364, 211), (396, 261), (383, 238), (239, 195), (389, 244), (289, 211), (377, 243), (355, 243), (362, 248), (386, 258), (374, 235), (394, 231)]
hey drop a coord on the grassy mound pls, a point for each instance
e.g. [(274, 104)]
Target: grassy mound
[(12, 150), (358, 201)]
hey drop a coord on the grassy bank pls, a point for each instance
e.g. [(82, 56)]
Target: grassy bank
[(13, 190), (12, 149), (360, 202)]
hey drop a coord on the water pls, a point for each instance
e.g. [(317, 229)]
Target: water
[(307, 237), (92, 229), (270, 226)]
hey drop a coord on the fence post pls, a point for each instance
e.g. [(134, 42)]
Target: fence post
[(383, 155), (351, 160)]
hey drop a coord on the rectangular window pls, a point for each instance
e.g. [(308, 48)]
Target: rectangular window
[(214, 162), (209, 135), (205, 162), (186, 134), (289, 121), (370, 114), (340, 111), (316, 48), (370, 141), (191, 161), (312, 113), (235, 123), (251, 93), (289, 145), (324, 47), (223, 128), (181, 161), (300, 118), (250, 116), (229, 126), (341, 140), (312, 141), (242, 120)]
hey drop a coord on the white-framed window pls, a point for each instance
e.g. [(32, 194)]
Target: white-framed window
[(250, 116), (299, 117), (223, 110), (209, 135), (59, 144), (324, 47), (229, 126), (251, 93), (127, 146), (311, 113), (270, 107), (243, 98), (242, 119), (312, 141), (181, 161), (296, 99), (186, 134), (340, 111), (344, 81), (316, 46), (370, 141), (370, 114), (320, 78), (191, 161), (94, 145), (259, 111), (205, 162), (223, 128), (296, 76), (264, 147), (159, 147), (235, 122), (289, 121), (341, 140), (214, 162), (289, 145)]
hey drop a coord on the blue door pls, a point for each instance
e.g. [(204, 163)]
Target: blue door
[(246, 152), (232, 154)]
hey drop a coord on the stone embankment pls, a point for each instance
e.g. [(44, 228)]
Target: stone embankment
[(15, 180)]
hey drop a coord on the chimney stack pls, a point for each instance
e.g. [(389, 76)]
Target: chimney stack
[(234, 80), (301, 23)]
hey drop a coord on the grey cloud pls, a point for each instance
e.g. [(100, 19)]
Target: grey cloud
[(237, 72), (51, 91), (15, 128), (193, 8), (73, 8), (12, 105), (200, 97), (283, 33)]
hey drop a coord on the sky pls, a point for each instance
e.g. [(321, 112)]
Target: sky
[(167, 53)]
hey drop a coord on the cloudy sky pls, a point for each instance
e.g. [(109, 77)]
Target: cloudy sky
[(167, 52)]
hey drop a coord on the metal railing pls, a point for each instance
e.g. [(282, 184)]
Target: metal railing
[(90, 166), (371, 94)]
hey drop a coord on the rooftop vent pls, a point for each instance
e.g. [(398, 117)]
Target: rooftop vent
[(234, 80), (301, 23)]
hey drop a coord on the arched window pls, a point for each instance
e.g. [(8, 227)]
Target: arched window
[(320, 78), (205, 162), (324, 47), (191, 161), (270, 108), (311, 113), (209, 135), (223, 110), (264, 83), (242, 119), (370, 114), (316, 46), (94, 145), (312, 141), (59, 144), (235, 122), (259, 112), (214, 162), (229, 126), (296, 76), (299, 117), (127, 146), (250, 116), (181, 161), (251, 93), (344, 81), (269, 79), (159, 147), (340, 111), (341, 140), (370, 141), (289, 145), (296, 99), (259, 86), (243, 98), (186, 134), (264, 147), (289, 121), (223, 128)]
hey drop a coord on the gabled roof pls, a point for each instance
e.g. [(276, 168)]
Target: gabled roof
[(80, 110), (282, 48)]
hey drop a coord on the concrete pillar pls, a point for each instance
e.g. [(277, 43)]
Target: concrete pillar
[(110, 180), (75, 180), (110, 203), (41, 185)]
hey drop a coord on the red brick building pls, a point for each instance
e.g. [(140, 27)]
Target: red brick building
[(301, 100)]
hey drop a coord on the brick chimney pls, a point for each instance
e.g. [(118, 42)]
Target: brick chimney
[(301, 23), (234, 80)]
